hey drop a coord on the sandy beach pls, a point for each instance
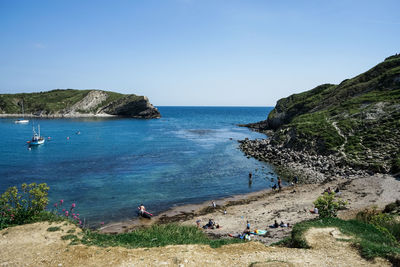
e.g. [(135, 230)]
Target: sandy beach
[(290, 205)]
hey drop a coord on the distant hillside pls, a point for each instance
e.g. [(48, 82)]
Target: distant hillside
[(76, 103), (357, 120)]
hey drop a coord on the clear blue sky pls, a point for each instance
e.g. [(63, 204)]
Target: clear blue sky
[(193, 52)]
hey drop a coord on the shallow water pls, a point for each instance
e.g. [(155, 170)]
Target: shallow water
[(188, 156)]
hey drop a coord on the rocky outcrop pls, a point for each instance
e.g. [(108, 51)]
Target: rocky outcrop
[(310, 168), (132, 106), (350, 127), (89, 103)]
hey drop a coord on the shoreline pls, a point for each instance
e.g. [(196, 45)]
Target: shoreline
[(360, 188), (184, 212), (290, 205)]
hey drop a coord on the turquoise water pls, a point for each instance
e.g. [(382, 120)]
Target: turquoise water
[(190, 155)]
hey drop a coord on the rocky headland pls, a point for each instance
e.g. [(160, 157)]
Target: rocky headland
[(77, 103), (352, 128)]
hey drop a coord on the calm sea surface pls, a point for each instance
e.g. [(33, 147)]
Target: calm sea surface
[(188, 156)]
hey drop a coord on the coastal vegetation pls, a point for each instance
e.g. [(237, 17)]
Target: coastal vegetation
[(328, 205), (155, 236), (357, 120), (372, 241), (23, 206), (375, 233), (70, 102)]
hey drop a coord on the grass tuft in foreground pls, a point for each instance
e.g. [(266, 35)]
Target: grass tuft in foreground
[(155, 236)]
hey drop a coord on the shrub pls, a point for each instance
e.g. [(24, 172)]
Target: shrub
[(391, 207), (70, 214), (328, 205), (18, 207), (383, 221)]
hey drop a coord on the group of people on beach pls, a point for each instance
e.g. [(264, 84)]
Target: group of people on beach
[(210, 225), (276, 224)]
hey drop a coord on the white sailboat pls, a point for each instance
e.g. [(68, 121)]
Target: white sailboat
[(22, 120), (36, 138)]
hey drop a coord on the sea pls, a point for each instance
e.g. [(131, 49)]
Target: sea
[(109, 166)]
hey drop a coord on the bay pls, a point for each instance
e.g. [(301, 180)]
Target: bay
[(188, 156)]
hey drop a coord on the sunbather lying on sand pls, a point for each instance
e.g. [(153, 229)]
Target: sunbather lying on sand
[(275, 225)]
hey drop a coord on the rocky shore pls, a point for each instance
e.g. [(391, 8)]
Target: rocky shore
[(309, 168)]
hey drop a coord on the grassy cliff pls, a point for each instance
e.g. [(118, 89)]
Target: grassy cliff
[(70, 102), (358, 119)]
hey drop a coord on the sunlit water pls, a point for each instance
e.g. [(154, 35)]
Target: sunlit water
[(190, 155)]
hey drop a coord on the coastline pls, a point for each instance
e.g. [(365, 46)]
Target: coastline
[(261, 208), (360, 188)]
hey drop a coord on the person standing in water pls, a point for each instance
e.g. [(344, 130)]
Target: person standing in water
[(279, 183)]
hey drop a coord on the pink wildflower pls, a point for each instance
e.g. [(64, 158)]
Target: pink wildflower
[(75, 217), (73, 205), (63, 210), (77, 214), (61, 201), (102, 223), (80, 222), (66, 213), (55, 205)]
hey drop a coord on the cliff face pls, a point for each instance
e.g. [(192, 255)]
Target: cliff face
[(132, 106), (78, 103), (357, 120)]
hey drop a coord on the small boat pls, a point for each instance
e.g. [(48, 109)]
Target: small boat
[(36, 138), (143, 213), (22, 120)]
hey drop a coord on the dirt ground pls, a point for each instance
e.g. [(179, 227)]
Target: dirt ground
[(33, 245)]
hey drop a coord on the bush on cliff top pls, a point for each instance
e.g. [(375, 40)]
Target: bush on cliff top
[(19, 207), (328, 205)]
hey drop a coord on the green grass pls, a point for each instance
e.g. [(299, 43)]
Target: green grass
[(371, 241), (54, 229), (155, 236), (69, 237), (316, 126)]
